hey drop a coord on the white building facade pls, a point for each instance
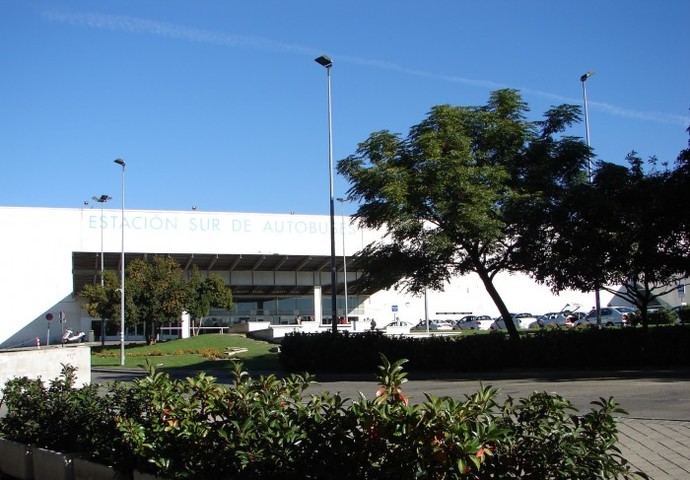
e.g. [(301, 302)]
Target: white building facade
[(278, 266)]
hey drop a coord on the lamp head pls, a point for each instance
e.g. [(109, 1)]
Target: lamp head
[(102, 198), (120, 162), (324, 61), (584, 77)]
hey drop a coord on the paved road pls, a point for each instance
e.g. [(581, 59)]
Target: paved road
[(642, 396), (654, 435)]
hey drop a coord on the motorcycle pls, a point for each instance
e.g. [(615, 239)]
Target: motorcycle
[(70, 336)]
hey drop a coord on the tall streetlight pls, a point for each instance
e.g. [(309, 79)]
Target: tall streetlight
[(122, 163), (102, 199), (326, 62), (342, 201), (583, 81)]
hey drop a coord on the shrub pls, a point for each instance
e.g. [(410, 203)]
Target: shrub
[(684, 314), (263, 428), (60, 416), (548, 441), (662, 317), (606, 348)]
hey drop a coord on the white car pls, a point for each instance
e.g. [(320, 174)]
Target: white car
[(610, 317), (440, 325), (564, 319), (474, 322), (522, 321)]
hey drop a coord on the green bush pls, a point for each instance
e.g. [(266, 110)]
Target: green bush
[(684, 314), (662, 317), (606, 348), (61, 417), (264, 428)]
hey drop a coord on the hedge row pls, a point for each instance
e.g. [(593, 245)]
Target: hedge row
[(582, 349), (265, 428)]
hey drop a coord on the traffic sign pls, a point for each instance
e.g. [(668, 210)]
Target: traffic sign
[(394, 308), (49, 316)]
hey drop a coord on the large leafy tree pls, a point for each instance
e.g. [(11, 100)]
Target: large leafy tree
[(158, 290), (203, 293), (453, 194), (625, 233)]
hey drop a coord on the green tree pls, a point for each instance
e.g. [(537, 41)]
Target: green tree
[(625, 233), (158, 290), (104, 301), (205, 293), (452, 195)]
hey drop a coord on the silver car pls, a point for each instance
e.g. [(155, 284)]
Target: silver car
[(556, 319), (610, 317), (522, 321), (474, 322)]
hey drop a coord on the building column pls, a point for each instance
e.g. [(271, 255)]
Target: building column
[(185, 324), (318, 310)]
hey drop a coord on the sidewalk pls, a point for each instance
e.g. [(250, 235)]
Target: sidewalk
[(659, 448)]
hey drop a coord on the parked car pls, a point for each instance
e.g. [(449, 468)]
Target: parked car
[(474, 322), (555, 319), (610, 317), (563, 319), (435, 325), (441, 325), (485, 322), (522, 321)]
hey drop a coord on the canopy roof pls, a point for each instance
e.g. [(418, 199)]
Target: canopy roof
[(86, 267)]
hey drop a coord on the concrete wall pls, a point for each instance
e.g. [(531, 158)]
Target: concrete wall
[(45, 363)]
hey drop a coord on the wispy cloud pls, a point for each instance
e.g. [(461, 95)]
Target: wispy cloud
[(169, 30), (163, 29)]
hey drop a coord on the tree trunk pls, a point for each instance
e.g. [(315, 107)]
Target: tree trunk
[(498, 301), (150, 333)]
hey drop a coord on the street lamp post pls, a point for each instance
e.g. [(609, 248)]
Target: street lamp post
[(426, 311), (583, 81), (122, 163), (342, 200), (326, 62), (102, 199)]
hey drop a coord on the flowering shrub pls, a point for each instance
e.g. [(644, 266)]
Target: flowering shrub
[(266, 427)]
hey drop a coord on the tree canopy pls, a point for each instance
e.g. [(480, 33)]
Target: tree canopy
[(156, 291), (453, 194), (626, 233), (205, 293)]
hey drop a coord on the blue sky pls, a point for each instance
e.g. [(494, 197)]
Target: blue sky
[(219, 104)]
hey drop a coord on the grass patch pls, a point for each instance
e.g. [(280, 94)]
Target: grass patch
[(203, 352)]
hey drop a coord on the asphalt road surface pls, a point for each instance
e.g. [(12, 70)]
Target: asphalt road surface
[(645, 394)]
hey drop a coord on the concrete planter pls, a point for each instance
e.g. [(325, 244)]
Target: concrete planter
[(87, 470), (51, 465), (16, 460)]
